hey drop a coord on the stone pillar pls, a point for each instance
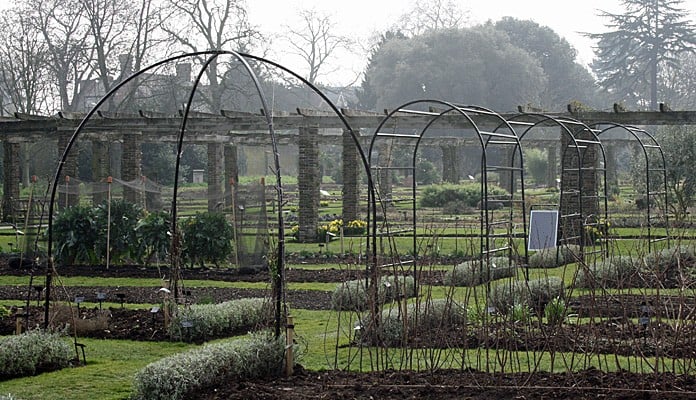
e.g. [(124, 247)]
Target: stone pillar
[(612, 178), (352, 166), (11, 180), (308, 183), (551, 165), (450, 164), (100, 168), (507, 178), (384, 179), (231, 173), (68, 193), (130, 166), (215, 175)]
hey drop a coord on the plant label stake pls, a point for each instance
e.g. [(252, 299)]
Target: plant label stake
[(187, 325), (121, 297), (154, 310), (38, 289), (101, 297), (79, 300)]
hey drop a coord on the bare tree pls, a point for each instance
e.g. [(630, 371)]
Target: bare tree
[(200, 25), (68, 51), (22, 66), (315, 43), (431, 15)]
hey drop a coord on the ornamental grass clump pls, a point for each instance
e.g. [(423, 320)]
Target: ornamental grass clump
[(201, 322), (353, 295), (32, 353), (181, 375), (554, 257), (471, 273)]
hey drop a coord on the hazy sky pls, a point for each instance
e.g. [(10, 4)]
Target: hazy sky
[(363, 19)]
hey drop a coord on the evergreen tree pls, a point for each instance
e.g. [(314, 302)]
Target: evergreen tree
[(648, 37)]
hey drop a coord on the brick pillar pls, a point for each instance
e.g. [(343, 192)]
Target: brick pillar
[(579, 187), (351, 178), (215, 175), (72, 197), (11, 180), (612, 178), (450, 164), (130, 166), (231, 172), (507, 179), (308, 183), (100, 168)]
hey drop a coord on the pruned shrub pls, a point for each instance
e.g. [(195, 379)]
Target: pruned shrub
[(619, 272), (554, 257), (669, 268), (422, 317), (471, 273), (180, 375), (201, 322), (353, 295), (535, 293), (468, 194), (32, 353)]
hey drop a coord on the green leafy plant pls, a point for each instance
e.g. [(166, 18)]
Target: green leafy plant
[(75, 233), (153, 236), (519, 313), (556, 311), (207, 237), (121, 220)]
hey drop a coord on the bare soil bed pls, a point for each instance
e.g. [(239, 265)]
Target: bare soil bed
[(459, 384)]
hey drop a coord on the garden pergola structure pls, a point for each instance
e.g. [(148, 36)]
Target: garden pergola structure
[(216, 130)]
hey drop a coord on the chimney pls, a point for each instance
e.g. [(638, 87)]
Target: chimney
[(183, 72)]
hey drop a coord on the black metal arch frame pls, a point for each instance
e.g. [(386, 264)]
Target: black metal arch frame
[(211, 55), (647, 143), (571, 129), (504, 135)]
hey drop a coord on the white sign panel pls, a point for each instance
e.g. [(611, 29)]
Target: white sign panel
[(543, 229)]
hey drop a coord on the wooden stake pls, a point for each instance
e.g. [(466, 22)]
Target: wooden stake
[(289, 348)]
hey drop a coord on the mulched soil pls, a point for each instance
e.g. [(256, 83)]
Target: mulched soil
[(456, 384)]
